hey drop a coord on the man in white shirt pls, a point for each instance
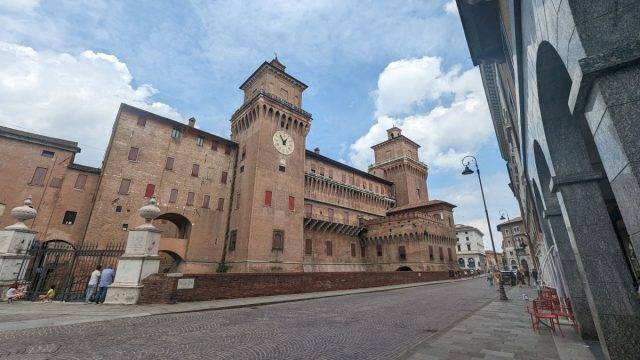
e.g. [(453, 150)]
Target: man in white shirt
[(93, 283)]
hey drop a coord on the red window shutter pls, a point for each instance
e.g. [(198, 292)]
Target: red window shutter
[(39, 176), (190, 197), (292, 203), (173, 196), (308, 246), (169, 164), (267, 198), (195, 170), (133, 154), (81, 180), (151, 189), (223, 178), (205, 201), (124, 186), (220, 204), (353, 250)]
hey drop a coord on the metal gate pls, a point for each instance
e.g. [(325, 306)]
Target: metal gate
[(69, 269)]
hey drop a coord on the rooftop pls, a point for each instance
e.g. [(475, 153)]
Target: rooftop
[(20, 135), (463, 227), (510, 222), (314, 155), (425, 205)]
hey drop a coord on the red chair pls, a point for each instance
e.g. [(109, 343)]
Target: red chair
[(566, 312), (544, 309)]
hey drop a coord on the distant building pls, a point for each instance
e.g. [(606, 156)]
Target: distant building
[(470, 246), (491, 262), (515, 245)]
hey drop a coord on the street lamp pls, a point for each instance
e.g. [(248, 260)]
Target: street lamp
[(471, 160), (504, 215)]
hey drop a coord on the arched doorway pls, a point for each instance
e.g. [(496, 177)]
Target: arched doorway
[(461, 262), (169, 261), (587, 207), (404, 268), (471, 263), (173, 225)]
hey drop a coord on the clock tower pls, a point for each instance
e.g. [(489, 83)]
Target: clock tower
[(266, 223)]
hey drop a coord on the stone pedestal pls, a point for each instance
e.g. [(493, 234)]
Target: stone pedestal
[(14, 243), (139, 260)]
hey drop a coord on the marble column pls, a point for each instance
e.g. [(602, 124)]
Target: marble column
[(600, 261), (140, 259), (14, 242), (557, 230)]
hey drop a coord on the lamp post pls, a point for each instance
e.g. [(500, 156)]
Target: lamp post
[(503, 214), (471, 160)]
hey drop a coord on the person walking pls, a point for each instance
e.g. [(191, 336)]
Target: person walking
[(519, 277), (11, 293), (534, 274), (106, 279), (527, 276), (93, 284)]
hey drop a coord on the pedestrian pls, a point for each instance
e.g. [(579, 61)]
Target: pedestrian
[(534, 274), (93, 284), (527, 276), (106, 279), (11, 293), (519, 277), (48, 297)]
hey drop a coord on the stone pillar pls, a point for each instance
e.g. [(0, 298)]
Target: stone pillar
[(600, 261), (14, 242), (569, 268), (140, 259)]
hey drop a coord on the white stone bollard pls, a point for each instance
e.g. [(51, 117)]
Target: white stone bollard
[(14, 242), (140, 259)]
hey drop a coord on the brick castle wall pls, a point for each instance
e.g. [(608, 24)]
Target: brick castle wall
[(160, 288)]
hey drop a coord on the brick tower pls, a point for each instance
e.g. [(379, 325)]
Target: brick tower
[(266, 225), (396, 159)]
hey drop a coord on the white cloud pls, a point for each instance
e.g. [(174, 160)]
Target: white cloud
[(457, 123), (451, 7), (75, 97), (19, 5)]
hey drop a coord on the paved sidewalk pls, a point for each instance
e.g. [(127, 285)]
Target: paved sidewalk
[(28, 315), (502, 330)]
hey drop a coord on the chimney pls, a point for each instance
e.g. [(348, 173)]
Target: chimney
[(316, 150), (192, 122)]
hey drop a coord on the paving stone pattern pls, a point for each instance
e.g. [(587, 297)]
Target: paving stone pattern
[(500, 330), (379, 325)]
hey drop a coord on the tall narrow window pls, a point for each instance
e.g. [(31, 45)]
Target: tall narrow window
[(168, 165), (237, 201), (81, 180), (38, 176), (232, 239), (292, 203), (308, 246), (440, 253), (418, 193), (328, 248), (190, 197), (353, 250), (214, 145), (150, 190), (278, 240), (244, 153), (173, 196), (379, 249), (133, 154), (200, 141), (195, 170), (468, 247), (223, 177), (430, 252), (220, 206), (267, 198), (363, 251), (141, 121), (69, 217), (402, 252), (308, 210), (205, 201), (124, 186), (449, 257)]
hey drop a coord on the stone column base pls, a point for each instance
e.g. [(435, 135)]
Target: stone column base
[(123, 294)]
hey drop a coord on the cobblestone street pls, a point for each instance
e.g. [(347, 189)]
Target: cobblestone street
[(363, 326)]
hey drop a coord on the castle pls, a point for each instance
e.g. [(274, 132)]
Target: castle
[(257, 202)]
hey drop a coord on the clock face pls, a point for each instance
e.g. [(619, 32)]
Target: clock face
[(283, 142)]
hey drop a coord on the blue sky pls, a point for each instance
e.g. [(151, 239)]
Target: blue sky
[(369, 65)]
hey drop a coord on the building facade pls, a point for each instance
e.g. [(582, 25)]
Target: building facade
[(515, 245), (491, 260), (257, 202), (470, 248), (562, 81)]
